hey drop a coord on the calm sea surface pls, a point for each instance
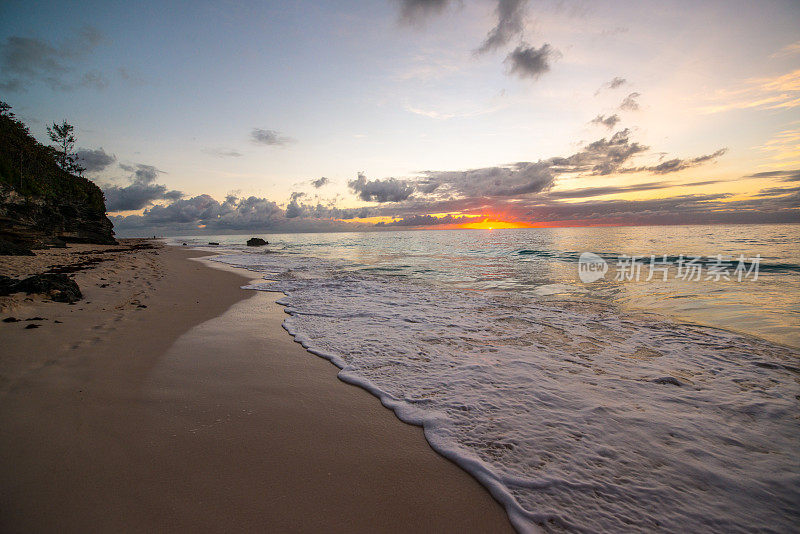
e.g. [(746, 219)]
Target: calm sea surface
[(662, 396)]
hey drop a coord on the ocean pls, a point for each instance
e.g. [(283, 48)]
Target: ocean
[(623, 379)]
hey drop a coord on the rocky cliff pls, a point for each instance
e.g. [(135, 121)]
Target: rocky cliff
[(40, 203)]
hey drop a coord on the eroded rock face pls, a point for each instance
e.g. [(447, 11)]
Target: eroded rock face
[(256, 242), (37, 222)]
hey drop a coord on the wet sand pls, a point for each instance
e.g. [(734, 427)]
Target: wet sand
[(171, 400)]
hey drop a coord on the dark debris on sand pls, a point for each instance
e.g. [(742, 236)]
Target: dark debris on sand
[(59, 287)]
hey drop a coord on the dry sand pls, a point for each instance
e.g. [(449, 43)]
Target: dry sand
[(171, 400)]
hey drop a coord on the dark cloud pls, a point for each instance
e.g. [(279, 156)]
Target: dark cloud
[(589, 192), (617, 82), (530, 62), (678, 164), (142, 174), (611, 85), (786, 176), (520, 191), (302, 210), (319, 182), (222, 152), (206, 214), (27, 60), (683, 209), (261, 136), (388, 190), (780, 191), (294, 209), (609, 122), (517, 179), (630, 103), (94, 79), (414, 11), (140, 192), (95, 160), (429, 220), (601, 157), (510, 18)]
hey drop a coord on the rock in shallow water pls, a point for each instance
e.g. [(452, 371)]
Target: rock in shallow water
[(256, 242)]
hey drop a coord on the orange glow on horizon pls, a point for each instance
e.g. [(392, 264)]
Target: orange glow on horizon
[(494, 224)]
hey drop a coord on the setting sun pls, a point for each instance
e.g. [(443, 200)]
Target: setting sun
[(492, 224)]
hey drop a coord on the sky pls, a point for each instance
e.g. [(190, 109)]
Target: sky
[(237, 117)]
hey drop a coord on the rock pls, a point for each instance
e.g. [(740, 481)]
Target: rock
[(256, 242), (31, 326), (213, 243), (59, 287), (10, 320), (7, 285), (7, 248), (668, 380), (40, 221)]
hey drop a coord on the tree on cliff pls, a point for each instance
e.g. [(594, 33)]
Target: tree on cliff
[(64, 138)]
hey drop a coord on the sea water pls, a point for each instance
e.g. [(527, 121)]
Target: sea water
[(620, 405)]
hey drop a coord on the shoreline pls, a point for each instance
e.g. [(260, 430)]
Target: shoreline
[(124, 416)]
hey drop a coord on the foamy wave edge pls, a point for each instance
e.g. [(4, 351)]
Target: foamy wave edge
[(523, 521)]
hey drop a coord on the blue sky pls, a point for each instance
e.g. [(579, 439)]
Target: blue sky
[(176, 94)]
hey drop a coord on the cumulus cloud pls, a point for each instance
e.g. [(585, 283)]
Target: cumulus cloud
[(141, 190), (27, 60), (609, 121), (503, 181), (204, 213), (530, 62), (414, 11), (510, 19), (520, 191), (95, 160), (261, 136), (319, 182), (629, 103), (388, 190), (604, 156), (293, 209), (301, 210)]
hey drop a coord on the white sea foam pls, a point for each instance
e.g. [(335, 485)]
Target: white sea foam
[(575, 416)]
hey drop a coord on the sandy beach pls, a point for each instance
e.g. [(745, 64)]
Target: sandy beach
[(169, 399)]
